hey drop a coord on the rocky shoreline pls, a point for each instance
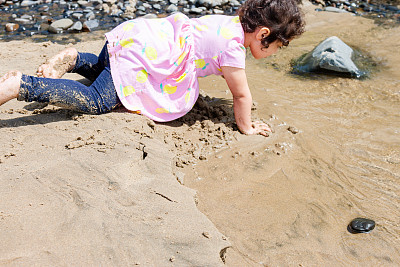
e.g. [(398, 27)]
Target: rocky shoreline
[(25, 18), (44, 19)]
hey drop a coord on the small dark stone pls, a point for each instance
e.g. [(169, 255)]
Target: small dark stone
[(361, 225)]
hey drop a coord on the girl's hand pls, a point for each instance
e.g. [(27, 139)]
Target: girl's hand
[(257, 127)]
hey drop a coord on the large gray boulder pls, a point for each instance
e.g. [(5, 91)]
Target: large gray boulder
[(332, 54)]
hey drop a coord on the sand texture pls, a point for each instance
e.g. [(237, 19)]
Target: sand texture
[(114, 189), (89, 190)]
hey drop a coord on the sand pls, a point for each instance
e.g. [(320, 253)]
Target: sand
[(115, 189), (86, 190)]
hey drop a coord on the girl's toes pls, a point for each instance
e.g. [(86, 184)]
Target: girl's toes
[(39, 72)]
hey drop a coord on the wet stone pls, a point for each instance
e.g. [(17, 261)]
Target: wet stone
[(62, 24), (77, 26), (361, 225), (90, 16), (26, 3), (23, 21), (196, 10), (10, 27), (335, 9), (172, 8), (77, 15), (90, 25), (331, 56)]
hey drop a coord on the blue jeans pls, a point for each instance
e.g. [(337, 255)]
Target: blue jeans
[(100, 97)]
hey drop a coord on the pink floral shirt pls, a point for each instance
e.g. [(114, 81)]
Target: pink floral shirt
[(155, 63)]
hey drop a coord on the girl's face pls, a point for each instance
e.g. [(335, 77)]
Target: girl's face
[(258, 51), (253, 40)]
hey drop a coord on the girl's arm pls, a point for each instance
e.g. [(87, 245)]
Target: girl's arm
[(242, 101)]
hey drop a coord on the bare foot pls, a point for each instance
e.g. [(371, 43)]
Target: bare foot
[(58, 65), (9, 86)]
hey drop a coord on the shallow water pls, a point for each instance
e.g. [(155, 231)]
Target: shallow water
[(287, 199)]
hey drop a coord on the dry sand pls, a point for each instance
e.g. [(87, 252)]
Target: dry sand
[(83, 190)]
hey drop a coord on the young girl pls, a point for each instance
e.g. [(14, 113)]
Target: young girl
[(152, 66)]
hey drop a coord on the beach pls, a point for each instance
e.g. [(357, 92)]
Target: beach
[(120, 190)]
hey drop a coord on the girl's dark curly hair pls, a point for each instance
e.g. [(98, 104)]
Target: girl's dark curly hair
[(283, 17)]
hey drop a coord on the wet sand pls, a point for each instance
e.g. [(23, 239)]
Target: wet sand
[(286, 200), (105, 189)]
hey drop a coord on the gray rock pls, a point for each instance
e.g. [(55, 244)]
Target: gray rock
[(23, 21), (206, 3), (29, 17), (234, 3), (116, 12), (332, 55), (172, 8), (335, 9), (68, 13), (72, 5), (141, 8), (150, 16), (157, 6), (173, 2), (44, 8), (77, 15), (62, 24), (88, 9), (89, 25), (55, 30), (83, 3), (146, 5), (196, 10), (76, 27), (212, 3), (29, 3), (99, 7), (90, 16)]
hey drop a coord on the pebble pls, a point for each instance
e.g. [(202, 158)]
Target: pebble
[(335, 9), (90, 25), (196, 10), (26, 3), (172, 8), (62, 24), (90, 16), (10, 27), (293, 129), (76, 27), (361, 225), (23, 21)]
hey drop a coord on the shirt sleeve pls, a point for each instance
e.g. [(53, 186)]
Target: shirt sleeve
[(235, 56)]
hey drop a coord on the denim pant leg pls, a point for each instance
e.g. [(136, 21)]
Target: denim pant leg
[(100, 97), (90, 66)]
